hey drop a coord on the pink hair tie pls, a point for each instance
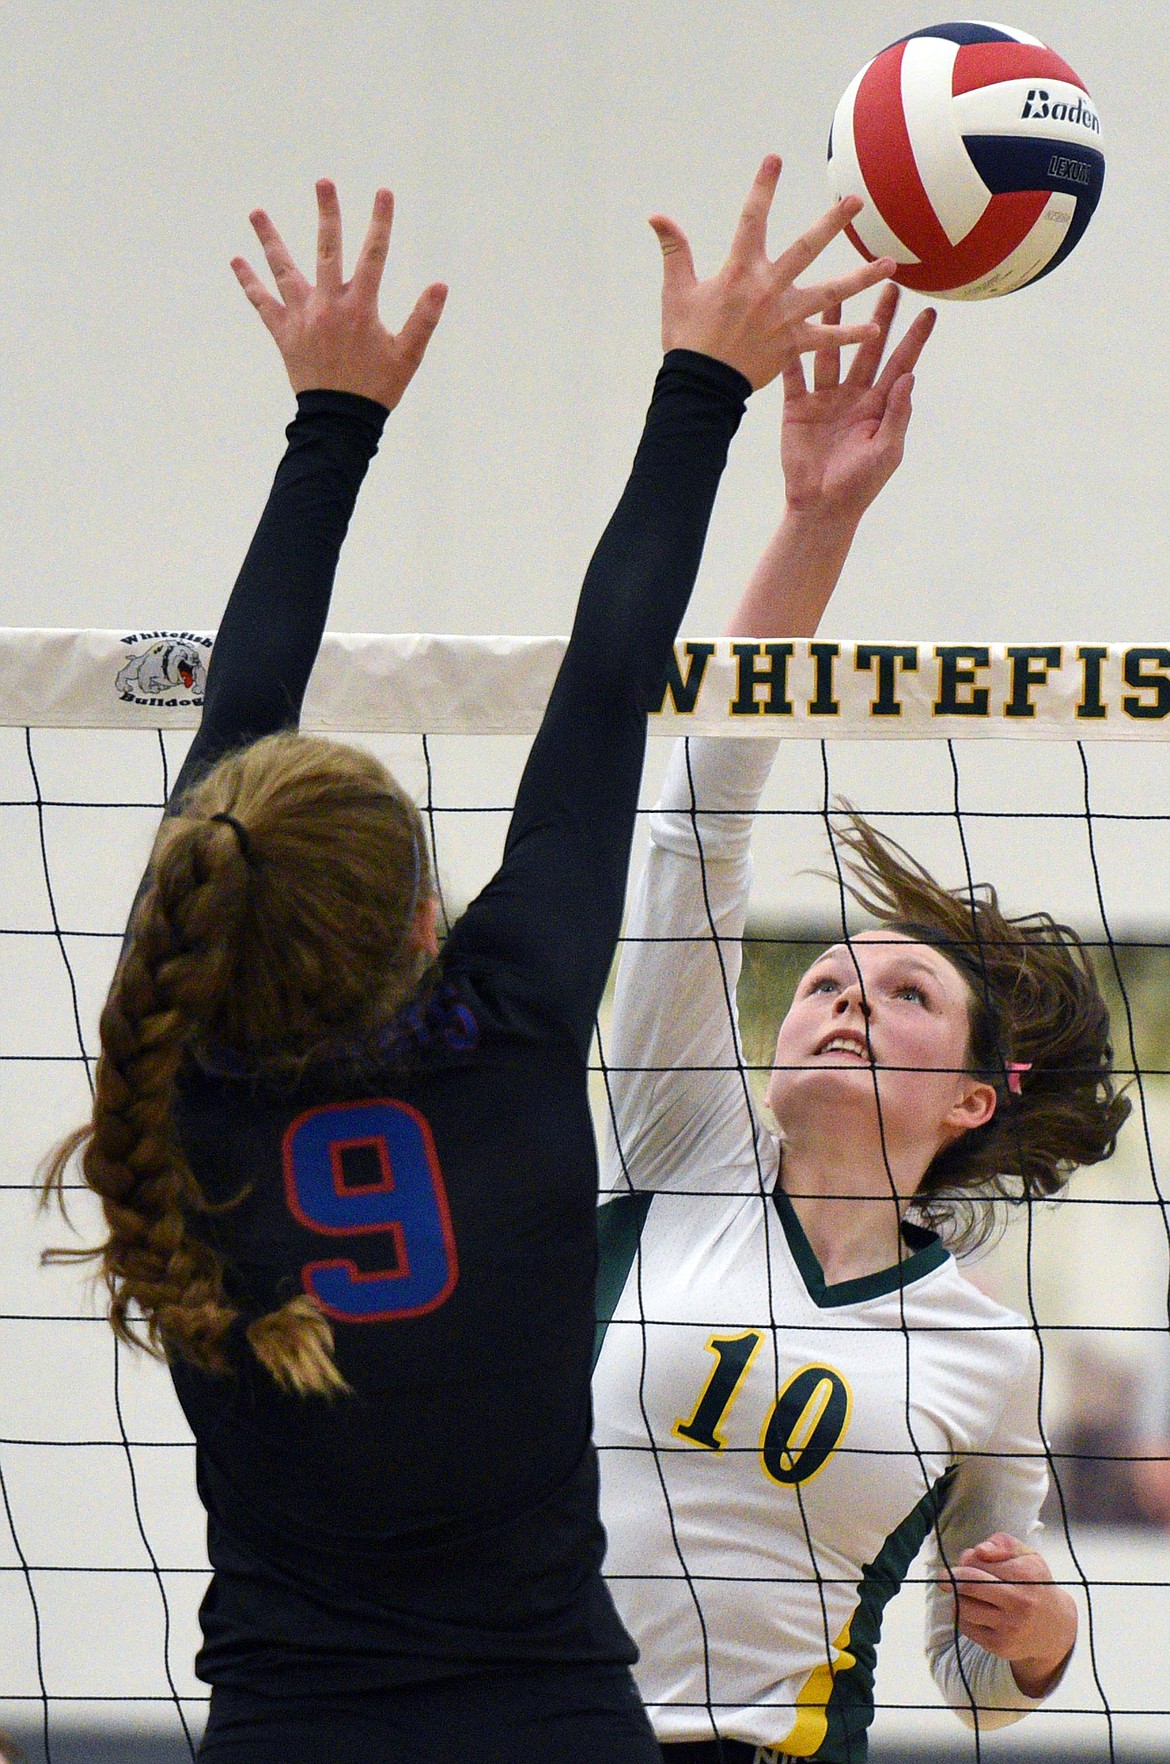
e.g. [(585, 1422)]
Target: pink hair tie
[(1014, 1068)]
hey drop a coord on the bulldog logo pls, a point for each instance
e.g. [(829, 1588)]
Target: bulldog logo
[(171, 670)]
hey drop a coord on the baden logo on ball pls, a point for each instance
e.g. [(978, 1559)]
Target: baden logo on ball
[(977, 151)]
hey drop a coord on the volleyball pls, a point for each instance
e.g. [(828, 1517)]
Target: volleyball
[(977, 150)]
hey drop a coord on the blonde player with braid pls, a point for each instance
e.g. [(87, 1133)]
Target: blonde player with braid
[(350, 1184), (796, 1387)]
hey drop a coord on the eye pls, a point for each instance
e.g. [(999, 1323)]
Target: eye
[(913, 991), (823, 983)]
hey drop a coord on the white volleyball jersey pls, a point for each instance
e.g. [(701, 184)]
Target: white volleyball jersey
[(773, 1450)]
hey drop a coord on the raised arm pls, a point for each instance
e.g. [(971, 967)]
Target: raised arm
[(680, 1114), (841, 442), (680, 1111), (553, 911), (348, 372)]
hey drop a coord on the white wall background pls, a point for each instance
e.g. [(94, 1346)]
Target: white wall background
[(141, 409), (142, 402)]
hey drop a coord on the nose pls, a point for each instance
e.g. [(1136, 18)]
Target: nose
[(852, 996)]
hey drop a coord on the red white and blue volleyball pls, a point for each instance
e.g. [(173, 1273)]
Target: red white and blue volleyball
[(977, 151)]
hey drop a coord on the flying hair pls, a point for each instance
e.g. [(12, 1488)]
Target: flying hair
[(1039, 1032), (273, 929)]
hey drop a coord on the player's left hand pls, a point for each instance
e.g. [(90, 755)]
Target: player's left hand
[(842, 440), (1008, 1603), (329, 333), (752, 314)]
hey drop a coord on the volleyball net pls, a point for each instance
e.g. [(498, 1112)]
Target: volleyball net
[(1044, 768)]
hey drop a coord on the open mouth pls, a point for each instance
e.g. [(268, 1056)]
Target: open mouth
[(851, 1045)]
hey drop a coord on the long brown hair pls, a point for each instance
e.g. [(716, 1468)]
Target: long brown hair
[(1039, 1031), (276, 921)]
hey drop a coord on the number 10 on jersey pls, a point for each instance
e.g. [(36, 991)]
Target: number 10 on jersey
[(805, 1424)]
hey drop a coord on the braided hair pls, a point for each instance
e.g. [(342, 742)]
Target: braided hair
[(275, 922)]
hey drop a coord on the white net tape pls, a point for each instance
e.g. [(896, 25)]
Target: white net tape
[(499, 686)]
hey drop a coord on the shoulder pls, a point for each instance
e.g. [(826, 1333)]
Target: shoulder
[(965, 1290), (959, 1302)]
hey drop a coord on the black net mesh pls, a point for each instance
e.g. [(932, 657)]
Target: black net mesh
[(101, 1548)]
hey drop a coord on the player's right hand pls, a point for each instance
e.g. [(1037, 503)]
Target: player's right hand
[(752, 315), (1007, 1601), (330, 335), (842, 440)]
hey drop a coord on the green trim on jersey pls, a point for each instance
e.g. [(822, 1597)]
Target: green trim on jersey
[(619, 1230), (928, 1254), (849, 1710)]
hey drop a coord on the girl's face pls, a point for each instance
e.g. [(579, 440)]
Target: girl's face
[(890, 1015)]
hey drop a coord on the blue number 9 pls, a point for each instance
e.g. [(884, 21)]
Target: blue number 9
[(399, 1192)]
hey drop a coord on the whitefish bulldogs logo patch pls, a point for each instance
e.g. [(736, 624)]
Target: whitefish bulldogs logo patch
[(164, 668)]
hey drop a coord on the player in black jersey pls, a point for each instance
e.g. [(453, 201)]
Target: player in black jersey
[(350, 1188)]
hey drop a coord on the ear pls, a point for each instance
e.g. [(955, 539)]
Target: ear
[(974, 1107), (424, 933)]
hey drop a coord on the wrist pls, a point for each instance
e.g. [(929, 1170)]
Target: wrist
[(712, 370), (822, 523), (1037, 1678), (1038, 1674), (315, 399), (820, 537)]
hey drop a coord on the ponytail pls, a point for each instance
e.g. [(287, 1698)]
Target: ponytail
[(295, 1344), (276, 920), (169, 986)]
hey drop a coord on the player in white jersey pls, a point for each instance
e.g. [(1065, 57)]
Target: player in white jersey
[(796, 1386)]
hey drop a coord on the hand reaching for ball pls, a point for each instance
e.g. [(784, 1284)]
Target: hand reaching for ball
[(752, 315), (842, 440)]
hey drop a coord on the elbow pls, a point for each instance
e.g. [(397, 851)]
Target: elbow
[(981, 1720)]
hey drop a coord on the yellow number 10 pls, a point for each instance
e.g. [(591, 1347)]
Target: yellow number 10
[(805, 1424)]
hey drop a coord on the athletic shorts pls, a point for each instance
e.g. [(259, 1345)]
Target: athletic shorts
[(550, 1715)]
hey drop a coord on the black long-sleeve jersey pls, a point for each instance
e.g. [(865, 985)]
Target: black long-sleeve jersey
[(435, 1193)]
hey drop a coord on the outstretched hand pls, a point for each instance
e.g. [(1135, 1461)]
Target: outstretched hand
[(1008, 1603), (752, 315), (330, 335), (843, 440)]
